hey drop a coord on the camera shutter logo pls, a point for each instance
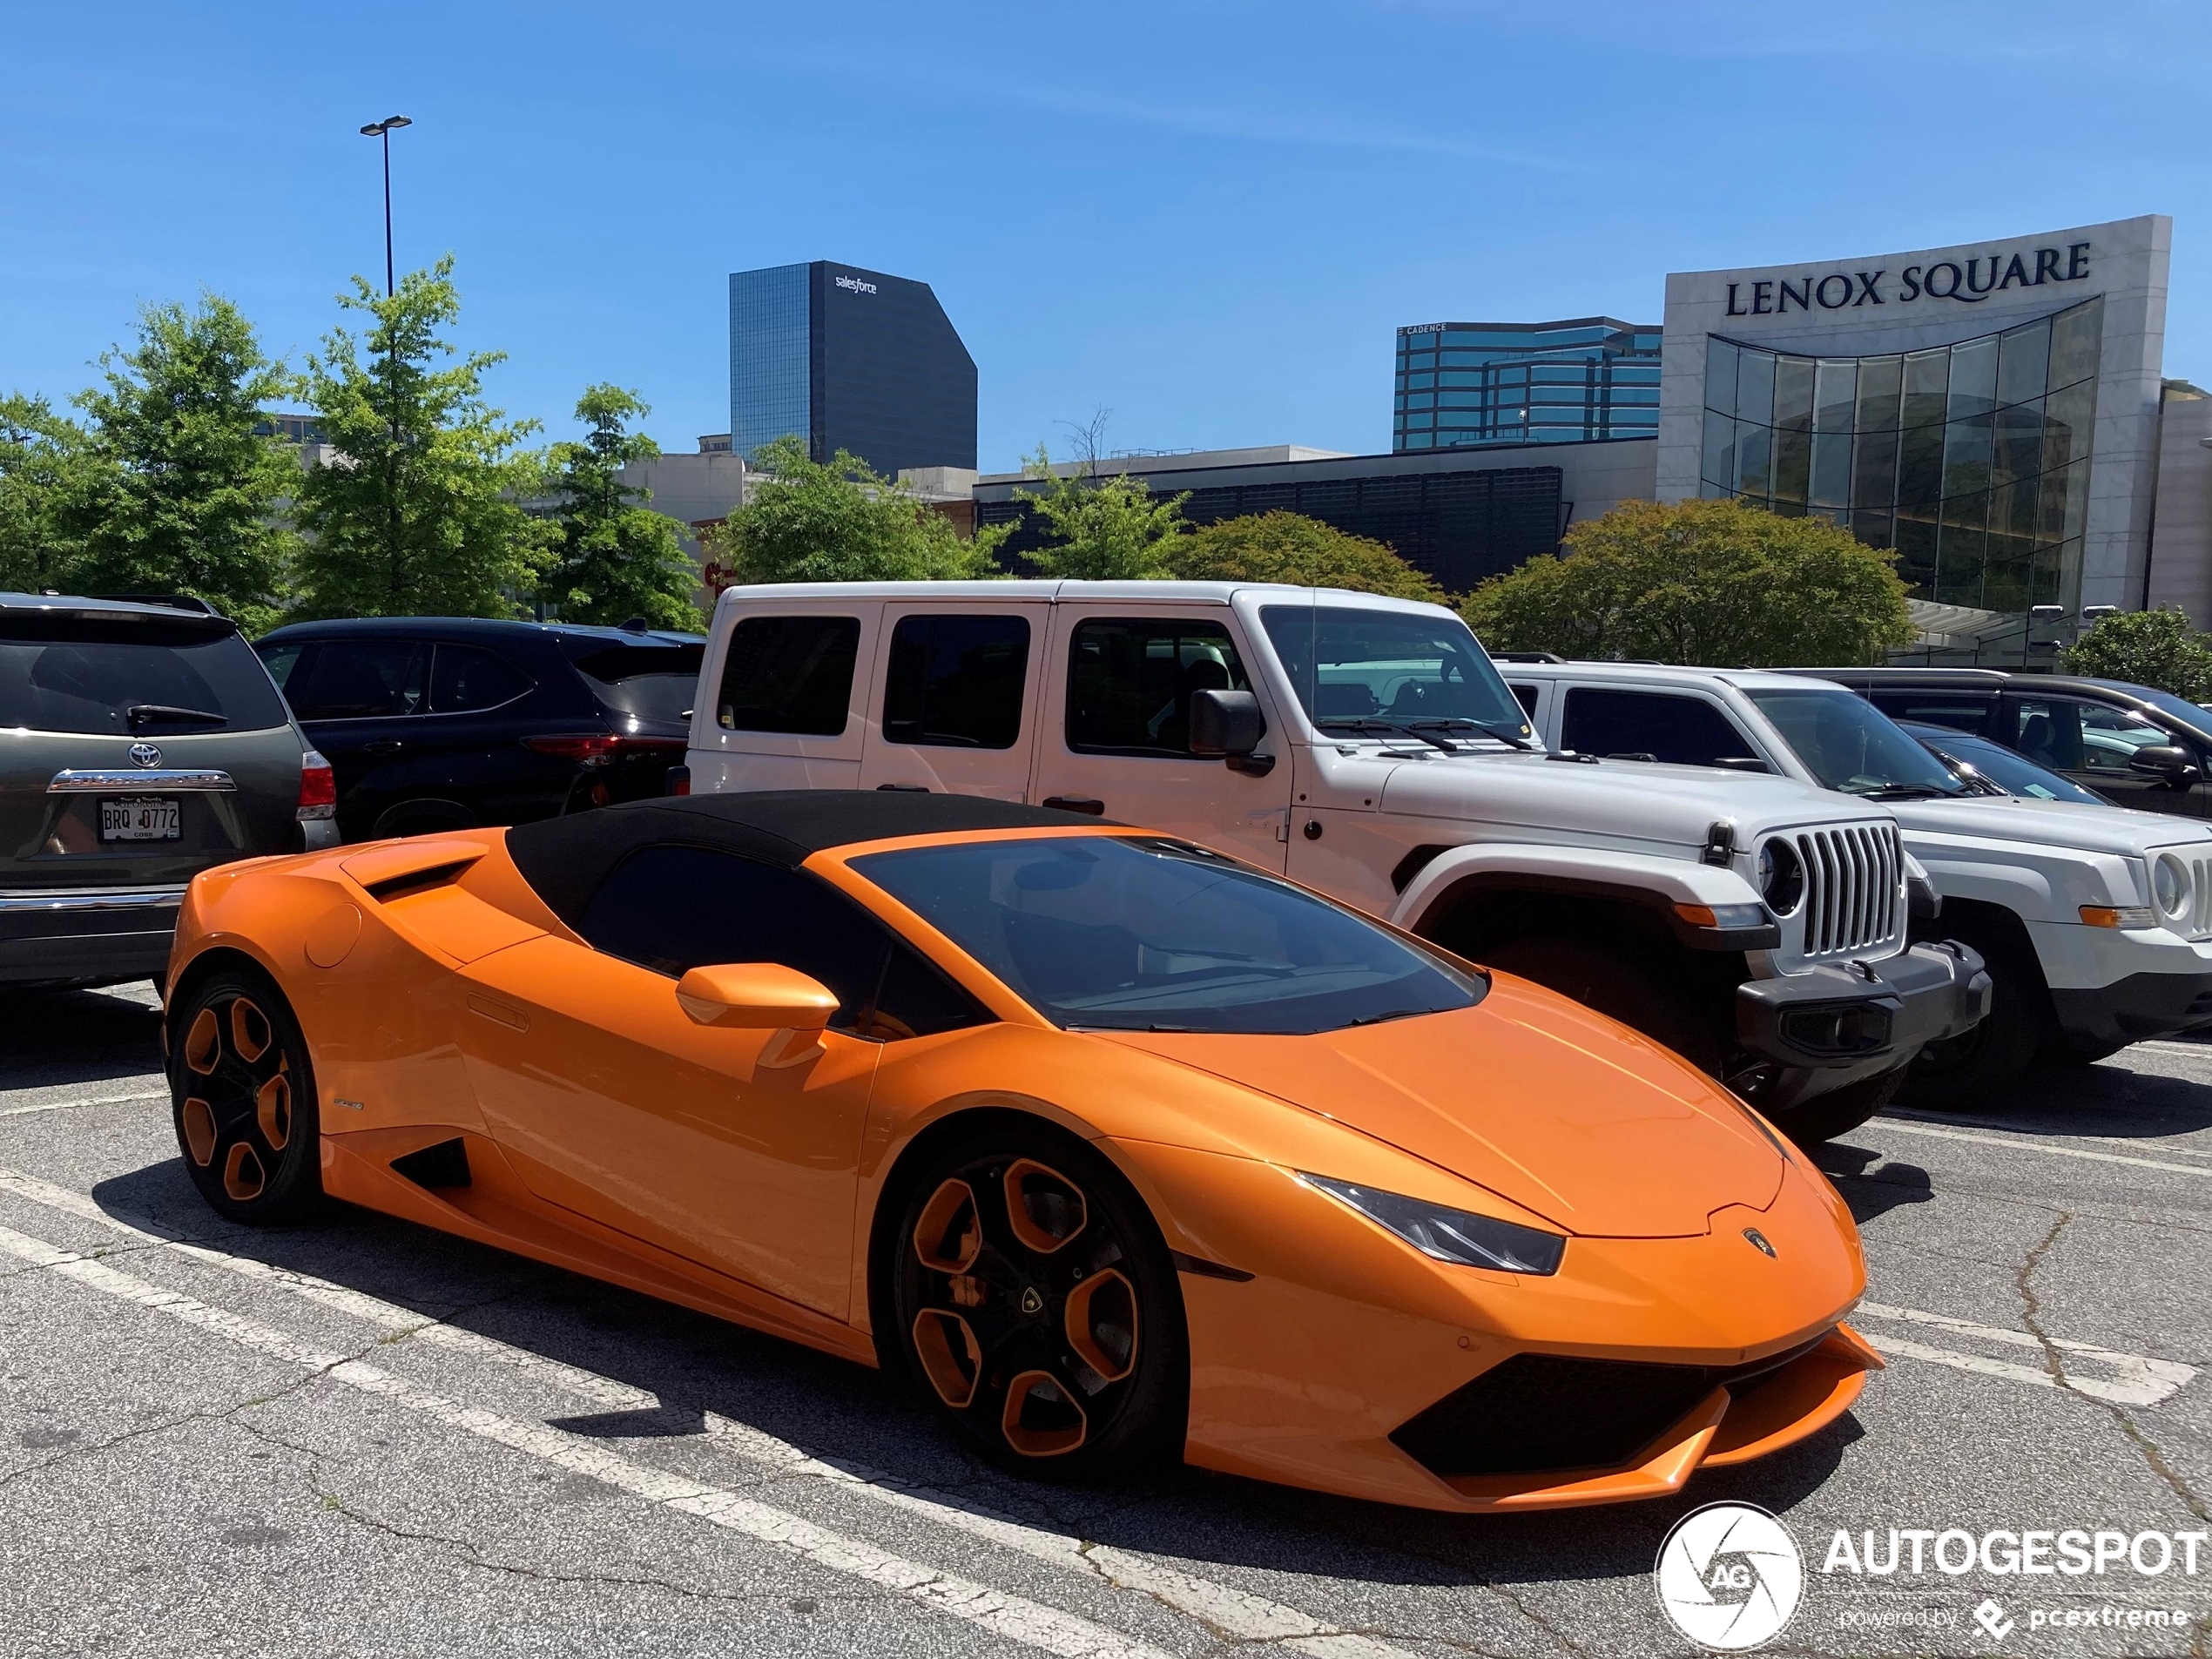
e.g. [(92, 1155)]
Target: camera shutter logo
[(144, 754), (1729, 1576)]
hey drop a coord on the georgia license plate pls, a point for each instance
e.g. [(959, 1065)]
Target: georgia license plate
[(142, 817)]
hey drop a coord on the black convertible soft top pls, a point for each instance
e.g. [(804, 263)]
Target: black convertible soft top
[(566, 858)]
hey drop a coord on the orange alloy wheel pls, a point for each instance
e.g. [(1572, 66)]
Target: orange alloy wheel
[(237, 1095), (1018, 1297)]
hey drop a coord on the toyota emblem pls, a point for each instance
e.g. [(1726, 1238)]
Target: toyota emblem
[(144, 754), (1758, 1241)]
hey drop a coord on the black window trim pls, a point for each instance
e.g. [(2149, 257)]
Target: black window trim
[(866, 615)]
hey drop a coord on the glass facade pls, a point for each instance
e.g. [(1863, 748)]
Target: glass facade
[(1462, 384), (1972, 460), (770, 342)]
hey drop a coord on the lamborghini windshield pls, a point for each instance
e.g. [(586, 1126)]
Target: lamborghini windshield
[(1137, 934)]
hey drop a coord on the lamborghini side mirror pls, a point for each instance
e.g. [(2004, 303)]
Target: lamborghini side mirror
[(761, 997)]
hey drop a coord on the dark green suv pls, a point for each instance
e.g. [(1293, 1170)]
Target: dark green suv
[(139, 744)]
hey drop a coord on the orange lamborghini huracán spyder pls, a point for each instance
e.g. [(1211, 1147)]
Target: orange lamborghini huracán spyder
[(1119, 1147)]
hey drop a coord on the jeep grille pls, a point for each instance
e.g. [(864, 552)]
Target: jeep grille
[(1854, 889)]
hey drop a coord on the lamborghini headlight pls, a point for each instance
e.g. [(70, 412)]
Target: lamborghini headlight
[(1450, 1235)]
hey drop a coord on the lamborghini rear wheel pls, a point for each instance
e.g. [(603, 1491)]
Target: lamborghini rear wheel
[(244, 1094), (1036, 1304)]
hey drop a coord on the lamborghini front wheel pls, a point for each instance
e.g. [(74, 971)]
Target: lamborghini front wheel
[(244, 1095), (1036, 1303)]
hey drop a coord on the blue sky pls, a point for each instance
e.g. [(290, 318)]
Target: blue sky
[(1206, 217)]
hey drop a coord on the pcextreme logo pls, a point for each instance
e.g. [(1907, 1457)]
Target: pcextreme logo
[(1729, 1576)]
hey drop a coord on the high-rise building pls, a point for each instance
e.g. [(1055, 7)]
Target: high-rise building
[(848, 359), (1465, 383)]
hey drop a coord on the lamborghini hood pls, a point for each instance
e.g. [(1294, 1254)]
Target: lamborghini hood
[(1533, 1096)]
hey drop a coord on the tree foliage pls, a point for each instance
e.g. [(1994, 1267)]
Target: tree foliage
[(420, 512), (1102, 530), (836, 521), (1703, 582), (618, 558), (43, 464), (178, 494), (2157, 648), (1290, 547)]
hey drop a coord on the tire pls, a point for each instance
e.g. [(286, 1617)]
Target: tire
[(1825, 1116), (1977, 1071), (421, 818), (1061, 1363), (1627, 986), (242, 1091)]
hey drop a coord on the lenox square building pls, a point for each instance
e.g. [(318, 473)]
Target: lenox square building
[(1994, 411)]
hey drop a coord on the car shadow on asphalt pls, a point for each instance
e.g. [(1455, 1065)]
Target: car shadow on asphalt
[(1870, 1184), (861, 1419), (2107, 1098), (48, 1038)]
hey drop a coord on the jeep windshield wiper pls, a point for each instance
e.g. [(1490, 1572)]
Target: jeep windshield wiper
[(1910, 791), (140, 714), (1398, 728), (1483, 727)]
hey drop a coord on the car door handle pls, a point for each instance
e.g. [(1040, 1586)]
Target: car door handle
[(1078, 804), (383, 747)]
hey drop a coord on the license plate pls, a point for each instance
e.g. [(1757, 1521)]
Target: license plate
[(142, 817)]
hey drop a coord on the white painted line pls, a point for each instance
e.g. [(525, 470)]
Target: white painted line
[(2134, 1145), (2142, 1381), (70, 1105), (1012, 1616), (1235, 1613), (2201, 1172)]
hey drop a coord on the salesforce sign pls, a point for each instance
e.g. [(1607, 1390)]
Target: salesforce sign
[(1990, 409)]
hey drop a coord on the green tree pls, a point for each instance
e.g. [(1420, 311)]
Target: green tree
[(2157, 648), (1290, 547), (836, 521), (1705, 582), (184, 496), (419, 514), (618, 558), (1102, 529), (46, 472)]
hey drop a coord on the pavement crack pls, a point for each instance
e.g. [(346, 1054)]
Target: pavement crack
[(2153, 1454)]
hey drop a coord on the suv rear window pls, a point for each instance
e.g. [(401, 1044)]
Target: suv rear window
[(129, 678), (645, 682), (789, 674)]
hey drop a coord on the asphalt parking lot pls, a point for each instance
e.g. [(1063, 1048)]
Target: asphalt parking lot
[(361, 1438)]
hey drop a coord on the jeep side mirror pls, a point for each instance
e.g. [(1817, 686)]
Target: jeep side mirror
[(2169, 760), (1225, 723)]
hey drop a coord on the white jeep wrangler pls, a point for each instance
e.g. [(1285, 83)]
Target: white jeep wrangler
[(2095, 923), (1367, 748)]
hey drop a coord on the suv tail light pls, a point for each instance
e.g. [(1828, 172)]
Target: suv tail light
[(603, 748), (318, 788)]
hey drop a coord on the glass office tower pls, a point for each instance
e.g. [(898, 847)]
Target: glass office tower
[(851, 360), (1972, 459), (1468, 383)]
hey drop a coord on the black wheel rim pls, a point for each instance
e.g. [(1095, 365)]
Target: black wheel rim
[(1021, 1305), (235, 1111)]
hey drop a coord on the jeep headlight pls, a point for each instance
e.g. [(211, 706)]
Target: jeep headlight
[(2171, 890), (1450, 1235), (1782, 876)]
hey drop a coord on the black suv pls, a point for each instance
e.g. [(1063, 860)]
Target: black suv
[(2137, 746), (139, 744), (438, 723)]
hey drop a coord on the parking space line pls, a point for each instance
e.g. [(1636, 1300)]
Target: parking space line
[(2201, 1172), (69, 1105), (1235, 1614), (2142, 1381), (1950, 1120), (1012, 1616)]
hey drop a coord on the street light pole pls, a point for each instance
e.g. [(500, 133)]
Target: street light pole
[(382, 131)]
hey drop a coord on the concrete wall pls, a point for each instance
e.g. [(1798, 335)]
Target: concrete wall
[(2181, 565)]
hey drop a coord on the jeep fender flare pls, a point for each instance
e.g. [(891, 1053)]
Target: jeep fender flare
[(1663, 887)]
